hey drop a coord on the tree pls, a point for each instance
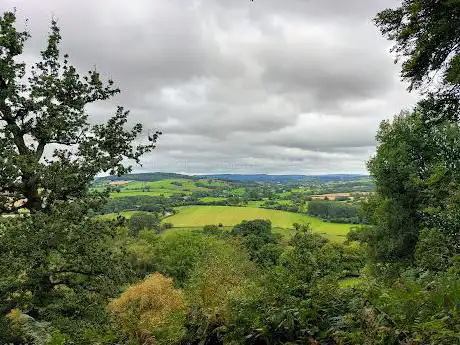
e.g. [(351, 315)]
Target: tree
[(223, 274), (427, 39), (212, 229), (60, 267), (45, 111), (259, 240), (139, 221), (177, 253), (59, 263), (416, 171)]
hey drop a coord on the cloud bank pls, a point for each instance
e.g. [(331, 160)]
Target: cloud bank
[(294, 86)]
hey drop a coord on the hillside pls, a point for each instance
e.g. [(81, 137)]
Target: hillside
[(286, 178)]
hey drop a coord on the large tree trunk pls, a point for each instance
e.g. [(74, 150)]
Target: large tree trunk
[(34, 201)]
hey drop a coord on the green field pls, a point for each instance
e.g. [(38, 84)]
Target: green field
[(198, 216), (166, 187), (139, 193)]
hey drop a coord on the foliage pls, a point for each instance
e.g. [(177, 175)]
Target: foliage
[(433, 250), (59, 263), (417, 170), (21, 328), (259, 240), (176, 254), (427, 36), (150, 312), (139, 251), (412, 310), (60, 267), (212, 230), (336, 212), (285, 308), (139, 221), (46, 111), (224, 273)]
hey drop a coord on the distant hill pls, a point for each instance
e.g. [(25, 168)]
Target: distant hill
[(146, 177), (158, 176), (285, 178)]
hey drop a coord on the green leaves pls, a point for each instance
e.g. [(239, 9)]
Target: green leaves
[(426, 35), (416, 172), (48, 113), (60, 267), (259, 240)]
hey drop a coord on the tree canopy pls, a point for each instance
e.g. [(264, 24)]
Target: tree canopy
[(426, 36), (49, 151), (59, 263)]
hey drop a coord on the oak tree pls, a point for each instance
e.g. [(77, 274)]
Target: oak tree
[(59, 264), (49, 151)]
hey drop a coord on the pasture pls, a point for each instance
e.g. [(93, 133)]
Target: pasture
[(166, 187), (198, 216)]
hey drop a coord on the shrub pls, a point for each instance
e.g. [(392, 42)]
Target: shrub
[(151, 312), (211, 230), (176, 254), (224, 273)]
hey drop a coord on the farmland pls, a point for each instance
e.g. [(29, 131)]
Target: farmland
[(166, 187), (198, 216), (228, 216), (193, 202)]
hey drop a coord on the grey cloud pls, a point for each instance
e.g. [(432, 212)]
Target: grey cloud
[(291, 86)]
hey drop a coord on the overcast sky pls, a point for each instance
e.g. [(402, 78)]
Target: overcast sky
[(271, 86)]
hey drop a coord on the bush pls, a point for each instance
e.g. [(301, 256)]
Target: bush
[(223, 274), (211, 230), (151, 312), (176, 253)]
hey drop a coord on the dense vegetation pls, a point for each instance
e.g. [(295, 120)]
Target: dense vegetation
[(334, 211), (72, 276)]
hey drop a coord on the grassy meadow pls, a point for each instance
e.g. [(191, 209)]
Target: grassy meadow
[(198, 216), (166, 187)]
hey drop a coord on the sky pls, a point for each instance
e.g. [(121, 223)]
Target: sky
[(270, 86)]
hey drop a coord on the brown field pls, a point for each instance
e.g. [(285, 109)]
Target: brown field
[(333, 196), (119, 183)]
